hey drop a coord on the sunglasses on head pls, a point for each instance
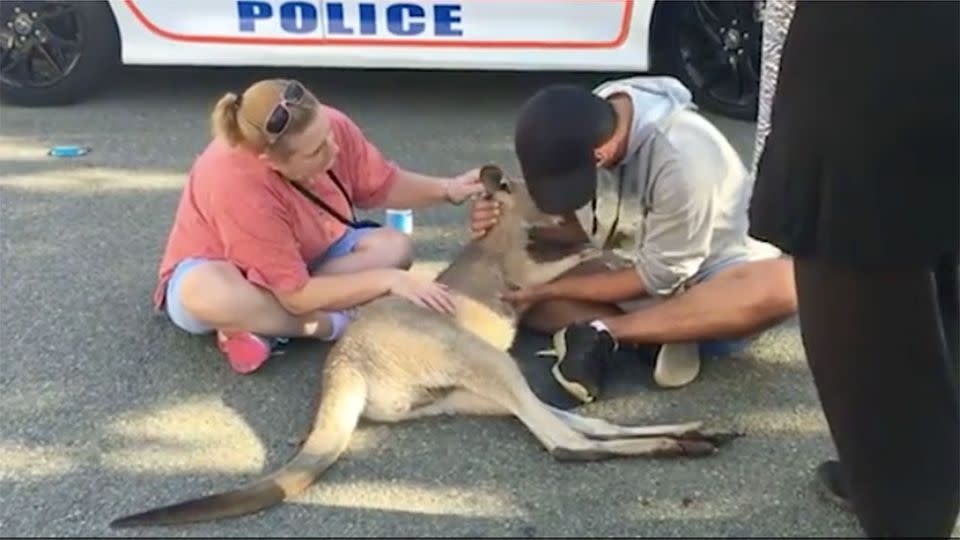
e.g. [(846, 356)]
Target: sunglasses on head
[(279, 118)]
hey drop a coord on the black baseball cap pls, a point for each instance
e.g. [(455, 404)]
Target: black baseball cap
[(556, 132)]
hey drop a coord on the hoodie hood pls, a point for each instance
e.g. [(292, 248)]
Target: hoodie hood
[(654, 98)]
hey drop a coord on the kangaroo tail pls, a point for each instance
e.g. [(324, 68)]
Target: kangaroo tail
[(345, 393)]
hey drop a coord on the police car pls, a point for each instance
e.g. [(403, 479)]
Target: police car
[(57, 52)]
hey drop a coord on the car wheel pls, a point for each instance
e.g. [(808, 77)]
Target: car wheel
[(55, 53), (714, 48)]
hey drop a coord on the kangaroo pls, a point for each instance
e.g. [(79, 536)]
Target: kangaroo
[(399, 361)]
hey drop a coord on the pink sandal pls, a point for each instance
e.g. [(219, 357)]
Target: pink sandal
[(244, 351)]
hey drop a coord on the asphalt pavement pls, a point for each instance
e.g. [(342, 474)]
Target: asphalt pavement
[(107, 409)]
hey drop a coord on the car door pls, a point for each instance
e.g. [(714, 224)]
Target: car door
[(460, 34), (478, 24)]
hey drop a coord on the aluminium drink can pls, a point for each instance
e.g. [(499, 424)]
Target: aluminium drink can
[(400, 219)]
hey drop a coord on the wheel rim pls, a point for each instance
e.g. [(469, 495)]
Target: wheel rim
[(39, 43), (720, 50)]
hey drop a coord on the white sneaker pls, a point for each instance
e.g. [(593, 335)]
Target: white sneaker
[(678, 364)]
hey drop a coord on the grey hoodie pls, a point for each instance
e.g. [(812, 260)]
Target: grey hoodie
[(685, 192)]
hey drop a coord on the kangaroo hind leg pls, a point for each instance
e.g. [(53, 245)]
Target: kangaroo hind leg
[(496, 377), (597, 428), (459, 402)]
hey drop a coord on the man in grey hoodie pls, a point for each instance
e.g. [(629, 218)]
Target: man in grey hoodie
[(636, 170)]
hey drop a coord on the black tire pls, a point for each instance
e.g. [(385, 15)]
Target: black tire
[(714, 48), (80, 38)]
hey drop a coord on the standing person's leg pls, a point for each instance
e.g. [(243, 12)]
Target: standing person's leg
[(876, 349), (947, 275)]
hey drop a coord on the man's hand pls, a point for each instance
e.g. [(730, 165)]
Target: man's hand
[(525, 297), (483, 215), (463, 187), (609, 286)]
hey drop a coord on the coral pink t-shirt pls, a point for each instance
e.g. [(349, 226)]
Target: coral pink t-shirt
[(235, 208)]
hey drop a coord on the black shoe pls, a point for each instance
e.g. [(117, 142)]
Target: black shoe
[(831, 484), (584, 352)]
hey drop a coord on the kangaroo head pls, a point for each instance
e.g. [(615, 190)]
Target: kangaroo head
[(509, 241), (518, 213)]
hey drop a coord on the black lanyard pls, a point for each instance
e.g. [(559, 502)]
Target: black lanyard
[(363, 223), (616, 219)]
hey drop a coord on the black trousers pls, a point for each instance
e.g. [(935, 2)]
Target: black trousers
[(882, 348)]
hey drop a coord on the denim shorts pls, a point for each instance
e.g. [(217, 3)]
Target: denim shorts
[(187, 323)]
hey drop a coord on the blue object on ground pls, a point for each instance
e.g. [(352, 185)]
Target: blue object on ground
[(68, 150)]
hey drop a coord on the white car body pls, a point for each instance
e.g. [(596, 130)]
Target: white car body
[(574, 35), (712, 47)]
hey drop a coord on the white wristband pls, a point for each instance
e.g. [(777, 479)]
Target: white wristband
[(598, 324)]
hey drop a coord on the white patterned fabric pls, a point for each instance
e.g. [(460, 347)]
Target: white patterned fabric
[(777, 15)]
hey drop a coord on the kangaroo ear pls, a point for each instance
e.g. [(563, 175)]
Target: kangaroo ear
[(492, 178)]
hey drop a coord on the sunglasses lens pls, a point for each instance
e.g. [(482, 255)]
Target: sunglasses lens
[(293, 93), (277, 121)]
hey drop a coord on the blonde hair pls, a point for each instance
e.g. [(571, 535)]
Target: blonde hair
[(240, 119)]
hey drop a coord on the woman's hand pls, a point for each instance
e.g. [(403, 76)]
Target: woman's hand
[(463, 187), (422, 292)]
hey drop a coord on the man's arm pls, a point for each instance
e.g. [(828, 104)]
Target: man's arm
[(606, 287)]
